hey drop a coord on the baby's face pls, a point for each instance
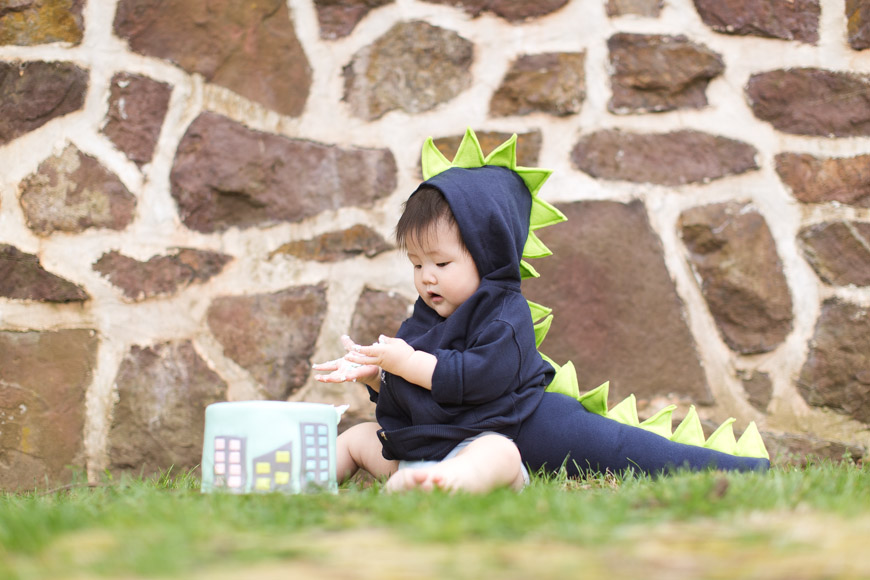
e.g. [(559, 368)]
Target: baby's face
[(445, 275)]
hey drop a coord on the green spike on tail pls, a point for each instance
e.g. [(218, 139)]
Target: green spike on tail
[(688, 432), (660, 423), (625, 412)]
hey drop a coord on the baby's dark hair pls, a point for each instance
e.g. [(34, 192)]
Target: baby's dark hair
[(424, 209)]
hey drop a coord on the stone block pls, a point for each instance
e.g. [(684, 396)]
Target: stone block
[(617, 315), (272, 336)]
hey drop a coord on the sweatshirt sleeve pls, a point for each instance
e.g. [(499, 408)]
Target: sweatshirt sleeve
[(486, 370)]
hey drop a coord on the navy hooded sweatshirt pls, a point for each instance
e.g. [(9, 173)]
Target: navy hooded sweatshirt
[(489, 375)]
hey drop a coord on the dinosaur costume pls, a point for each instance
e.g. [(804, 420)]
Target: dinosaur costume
[(490, 375)]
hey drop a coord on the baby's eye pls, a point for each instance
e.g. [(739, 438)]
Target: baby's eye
[(417, 266), (442, 264)]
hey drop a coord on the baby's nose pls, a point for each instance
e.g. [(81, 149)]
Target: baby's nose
[(429, 275)]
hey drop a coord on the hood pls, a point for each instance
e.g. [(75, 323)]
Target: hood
[(491, 205)]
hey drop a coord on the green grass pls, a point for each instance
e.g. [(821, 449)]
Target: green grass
[(164, 527)]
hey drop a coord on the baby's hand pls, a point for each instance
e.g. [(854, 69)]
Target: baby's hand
[(390, 354), (342, 370)]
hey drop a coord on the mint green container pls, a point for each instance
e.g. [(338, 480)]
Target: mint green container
[(269, 446)]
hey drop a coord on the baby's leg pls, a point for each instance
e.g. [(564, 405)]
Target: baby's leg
[(360, 448), (487, 463)]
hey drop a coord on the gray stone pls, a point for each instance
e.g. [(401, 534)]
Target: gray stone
[(819, 180), (338, 18), (137, 107), (34, 93), (43, 380), (649, 8), (226, 175), (249, 47), (29, 23), (553, 83), (272, 336), (654, 72), (72, 192), (836, 373), (812, 101), (413, 67), (358, 240), (675, 158), (617, 315), (839, 252), (510, 10), (160, 275), (733, 253), (159, 419), (22, 277), (785, 19)]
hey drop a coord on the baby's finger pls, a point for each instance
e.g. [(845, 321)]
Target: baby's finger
[(327, 366)]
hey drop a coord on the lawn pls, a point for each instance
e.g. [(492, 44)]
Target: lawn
[(790, 523)]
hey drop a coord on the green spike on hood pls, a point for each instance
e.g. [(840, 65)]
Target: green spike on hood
[(470, 155)]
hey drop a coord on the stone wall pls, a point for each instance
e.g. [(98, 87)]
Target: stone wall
[(197, 200)]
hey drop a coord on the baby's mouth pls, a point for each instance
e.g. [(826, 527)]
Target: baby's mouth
[(435, 298)]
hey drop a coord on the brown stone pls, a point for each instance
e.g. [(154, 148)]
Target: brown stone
[(272, 336), (839, 252), (413, 67), (358, 240), (28, 23), (249, 47), (159, 419), (338, 18), (758, 388), (510, 10), (791, 449), (34, 93), (653, 72), (72, 192), (733, 253), (160, 275), (650, 8), (616, 312), (22, 277), (528, 145), (674, 158), (226, 175), (835, 373), (376, 313), (137, 106), (553, 83), (858, 24), (814, 180), (785, 19), (812, 101), (43, 380)]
